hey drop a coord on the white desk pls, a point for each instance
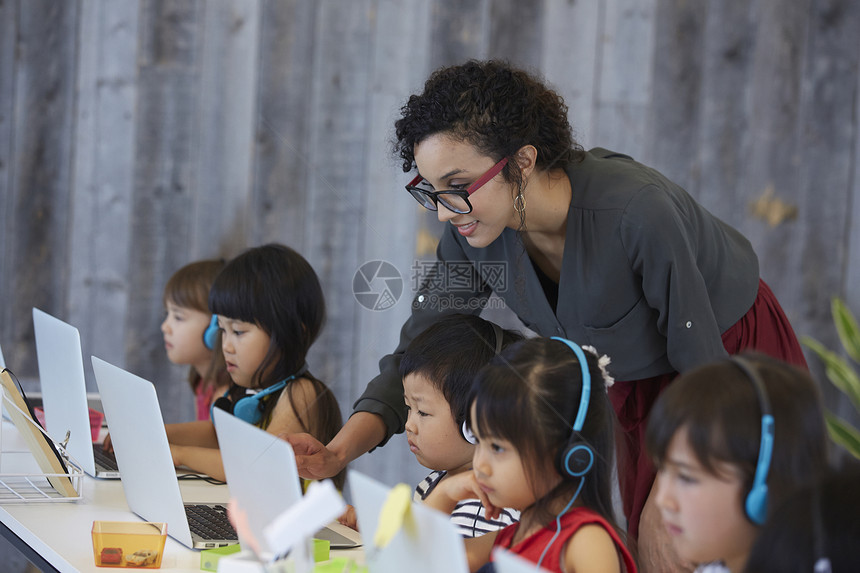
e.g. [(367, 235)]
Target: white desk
[(60, 531)]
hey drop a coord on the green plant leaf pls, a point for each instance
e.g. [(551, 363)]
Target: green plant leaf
[(838, 371), (846, 326), (843, 434)]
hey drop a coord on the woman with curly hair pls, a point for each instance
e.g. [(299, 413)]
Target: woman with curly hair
[(588, 245)]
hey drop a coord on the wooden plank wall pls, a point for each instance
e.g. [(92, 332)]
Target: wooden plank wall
[(137, 136)]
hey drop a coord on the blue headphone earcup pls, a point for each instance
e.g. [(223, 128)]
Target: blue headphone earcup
[(575, 460), (756, 504), (210, 335), (250, 408)]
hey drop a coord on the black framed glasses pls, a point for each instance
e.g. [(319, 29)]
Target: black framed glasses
[(455, 200)]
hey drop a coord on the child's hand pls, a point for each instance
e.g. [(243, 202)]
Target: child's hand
[(177, 452), (348, 518), (453, 489)]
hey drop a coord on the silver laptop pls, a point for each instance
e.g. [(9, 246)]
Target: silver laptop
[(146, 466), (263, 477), (64, 394), (418, 547)]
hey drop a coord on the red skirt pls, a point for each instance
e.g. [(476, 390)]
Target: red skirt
[(764, 328)]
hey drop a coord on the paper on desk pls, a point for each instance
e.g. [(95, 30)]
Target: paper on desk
[(395, 514), (321, 505)]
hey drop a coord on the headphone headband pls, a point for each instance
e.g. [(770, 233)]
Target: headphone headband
[(575, 459), (586, 383), (756, 500)]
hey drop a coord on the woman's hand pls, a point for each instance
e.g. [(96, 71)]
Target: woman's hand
[(106, 444), (313, 459)]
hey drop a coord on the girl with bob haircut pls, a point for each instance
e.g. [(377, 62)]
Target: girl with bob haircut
[(270, 310), (705, 436), (525, 405), (186, 330)]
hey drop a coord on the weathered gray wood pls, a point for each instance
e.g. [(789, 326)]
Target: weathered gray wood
[(826, 178), (724, 144), (624, 81), (226, 110), (281, 165), (44, 92), (674, 105), (336, 154), (570, 39), (163, 180), (458, 31), (515, 32), (8, 33), (102, 175)]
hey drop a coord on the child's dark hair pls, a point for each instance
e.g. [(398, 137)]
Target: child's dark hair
[(529, 396), (276, 289), (816, 522), (493, 106), (718, 407), (451, 351), (189, 288)]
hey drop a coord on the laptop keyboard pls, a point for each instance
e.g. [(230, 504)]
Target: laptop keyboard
[(104, 459), (210, 522)]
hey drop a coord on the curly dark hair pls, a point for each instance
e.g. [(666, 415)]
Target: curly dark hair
[(493, 106)]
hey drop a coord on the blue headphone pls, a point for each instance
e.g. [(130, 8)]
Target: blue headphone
[(755, 503), (576, 458), (210, 335), (250, 408)]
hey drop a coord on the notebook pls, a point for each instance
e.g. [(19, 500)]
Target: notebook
[(146, 466), (263, 477), (64, 394), (417, 551)]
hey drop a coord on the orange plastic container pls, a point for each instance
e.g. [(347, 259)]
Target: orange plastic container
[(137, 544)]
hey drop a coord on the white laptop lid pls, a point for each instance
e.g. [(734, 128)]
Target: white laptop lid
[(64, 388), (418, 552), (261, 472), (142, 452)]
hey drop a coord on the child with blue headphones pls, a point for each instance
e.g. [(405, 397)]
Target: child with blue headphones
[(545, 445), (270, 309), (190, 331), (731, 440)]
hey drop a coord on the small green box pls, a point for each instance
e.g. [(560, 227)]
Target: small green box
[(209, 557), (322, 550)]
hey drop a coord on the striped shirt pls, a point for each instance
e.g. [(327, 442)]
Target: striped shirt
[(468, 516)]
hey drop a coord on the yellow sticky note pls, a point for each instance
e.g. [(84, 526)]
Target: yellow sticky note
[(395, 512)]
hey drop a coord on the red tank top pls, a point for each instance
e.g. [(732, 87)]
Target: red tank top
[(532, 547)]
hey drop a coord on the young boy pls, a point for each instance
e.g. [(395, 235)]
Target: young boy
[(437, 370)]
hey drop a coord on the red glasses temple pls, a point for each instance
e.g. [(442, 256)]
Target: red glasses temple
[(494, 170)]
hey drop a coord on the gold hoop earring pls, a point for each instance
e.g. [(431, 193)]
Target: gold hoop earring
[(520, 203)]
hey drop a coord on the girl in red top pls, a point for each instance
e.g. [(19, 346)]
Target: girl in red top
[(545, 431)]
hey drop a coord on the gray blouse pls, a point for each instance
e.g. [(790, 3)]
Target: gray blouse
[(648, 277)]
